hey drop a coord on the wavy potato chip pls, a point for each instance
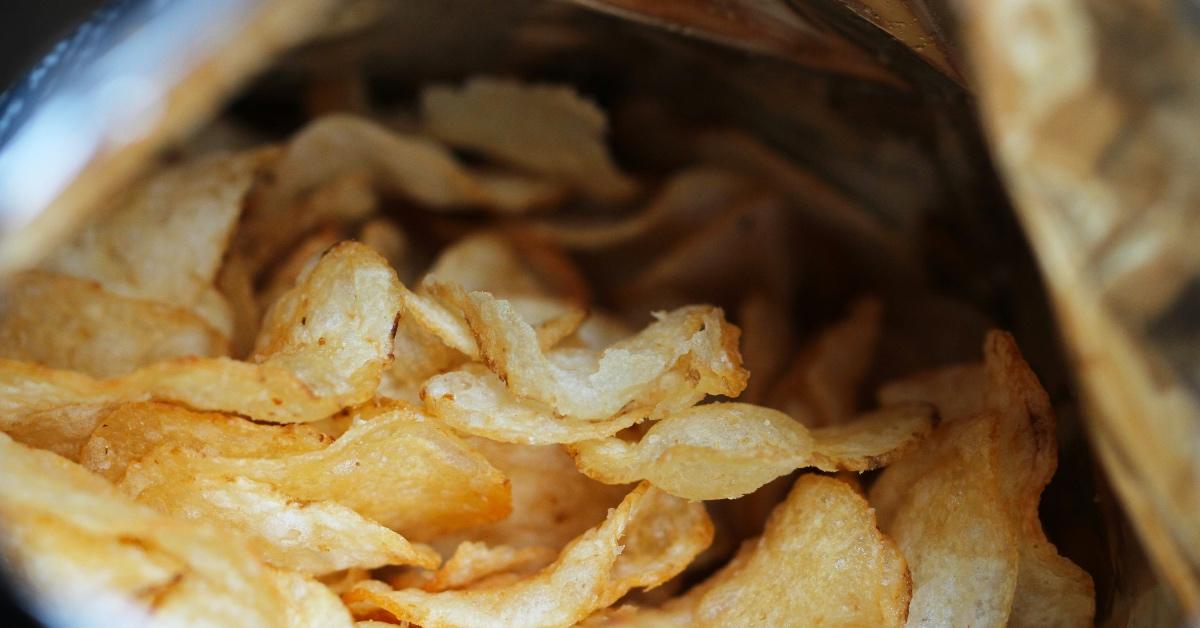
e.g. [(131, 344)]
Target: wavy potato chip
[(552, 502), (474, 401), (627, 375), (322, 347), (398, 468), (725, 450), (476, 565), (821, 386), (645, 541), (987, 559), (543, 129), (67, 323), (164, 239), (312, 537), (88, 551), (820, 561), (124, 433)]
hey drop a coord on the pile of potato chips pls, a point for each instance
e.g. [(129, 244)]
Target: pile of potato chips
[(366, 376)]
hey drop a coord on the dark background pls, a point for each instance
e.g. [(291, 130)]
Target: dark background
[(29, 28)]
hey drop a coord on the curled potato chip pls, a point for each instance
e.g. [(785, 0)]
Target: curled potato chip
[(627, 375), (474, 401), (86, 550), (125, 433), (164, 239), (820, 561), (434, 482), (650, 537), (312, 537), (992, 465), (552, 502), (725, 450), (69, 323), (544, 129), (322, 347), (473, 562), (821, 386)]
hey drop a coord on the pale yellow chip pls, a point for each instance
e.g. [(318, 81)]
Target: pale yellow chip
[(475, 564), (322, 347), (398, 468), (164, 238), (820, 562), (552, 502), (68, 323), (302, 257), (985, 559), (544, 129), (235, 282), (85, 550), (312, 537), (472, 400), (822, 385), (125, 433), (725, 450), (645, 541), (631, 374), (308, 603)]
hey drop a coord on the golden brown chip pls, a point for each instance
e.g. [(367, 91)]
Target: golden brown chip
[(312, 537), (821, 387), (986, 559), (766, 343), (650, 537), (399, 468), (125, 433), (322, 347), (88, 551), (820, 561), (552, 502), (164, 239), (544, 129), (725, 450), (68, 323), (956, 391), (62, 429)]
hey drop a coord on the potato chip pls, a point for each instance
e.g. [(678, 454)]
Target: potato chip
[(552, 502), (687, 198), (821, 387), (389, 240), (650, 537), (725, 450), (746, 247), (474, 401), (515, 193), (993, 466), (820, 561), (489, 262), (956, 391), (434, 482), (125, 433), (474, 562), (544, 129), (69, 323), (307, 603), (301, 258), (163, 240), (629, 374), (235, 282), (766, 343), (322, 348), (312, 537), (61, 429), (87, 551)]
